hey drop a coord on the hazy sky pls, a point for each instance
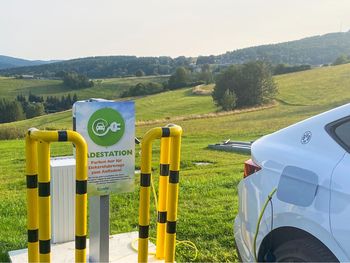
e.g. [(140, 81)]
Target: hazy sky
[(52, 29)]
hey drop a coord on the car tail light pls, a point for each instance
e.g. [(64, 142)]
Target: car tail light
[(250, 167)]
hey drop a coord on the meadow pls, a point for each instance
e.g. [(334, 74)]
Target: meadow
[(106, 88), (208, 199)]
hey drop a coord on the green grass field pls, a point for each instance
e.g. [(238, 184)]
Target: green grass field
[(106, 88), (208, 195), (160, 106)]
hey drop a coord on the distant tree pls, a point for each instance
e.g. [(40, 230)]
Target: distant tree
[(60, 74), (181, 61), (179, 78), (35, 98), (22, 99), (228, 101), (343, 59), (34, 110), (74, 80), (141, 89), (283, 68), (75, 98), (206, 60), (10, 111), (244, 85), (139, 73), (54, 104), (206, 74)]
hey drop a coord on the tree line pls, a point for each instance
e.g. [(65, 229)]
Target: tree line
[(106, 66), (182, 77), (32, 106)]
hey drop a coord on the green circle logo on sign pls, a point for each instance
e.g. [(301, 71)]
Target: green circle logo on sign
[(106, 127)]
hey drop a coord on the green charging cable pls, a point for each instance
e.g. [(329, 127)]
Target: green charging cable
[(268, 199)]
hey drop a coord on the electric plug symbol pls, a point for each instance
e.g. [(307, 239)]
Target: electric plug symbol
[(114, 126)]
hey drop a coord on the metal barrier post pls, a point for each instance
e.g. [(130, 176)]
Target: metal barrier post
[(80, 195), (32, 199), (172, 200), (43, 211), (162, 196), (145, 182), (44, 202)]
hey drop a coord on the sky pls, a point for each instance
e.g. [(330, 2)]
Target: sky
[(64, 29)]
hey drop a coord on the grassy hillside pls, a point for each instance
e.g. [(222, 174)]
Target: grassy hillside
[(316, 87), (106, 88), (160, 106), (208, 195)]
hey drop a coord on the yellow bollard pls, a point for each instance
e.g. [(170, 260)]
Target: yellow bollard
[(162, 196), (173, 188), (40, 207), (32, 199), (44, 202), (145, 181), (80, 196)]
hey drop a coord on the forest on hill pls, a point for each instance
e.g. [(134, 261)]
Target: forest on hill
[(315, 51)]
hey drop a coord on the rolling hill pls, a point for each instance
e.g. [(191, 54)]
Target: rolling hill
[(317, 88), (7, 62), (316, 50), (209, 226), (107, 88)]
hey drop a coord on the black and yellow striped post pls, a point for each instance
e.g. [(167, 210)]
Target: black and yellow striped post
[(172, 199), (162, 195), (44, 201), (32, 197), (39, 218), (173, 132)]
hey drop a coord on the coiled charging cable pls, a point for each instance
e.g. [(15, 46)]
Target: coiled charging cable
[(268, 199)]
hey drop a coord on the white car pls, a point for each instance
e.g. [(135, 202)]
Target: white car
[(294, 200)]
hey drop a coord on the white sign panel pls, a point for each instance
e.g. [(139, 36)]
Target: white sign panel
[(109, 130)]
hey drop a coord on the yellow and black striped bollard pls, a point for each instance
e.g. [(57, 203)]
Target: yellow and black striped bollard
[(172, 200), (44, 202), (39, 213), (174, 132), (32, 197), (162, 195)]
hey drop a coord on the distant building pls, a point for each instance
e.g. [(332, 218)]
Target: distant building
[(27, 76)]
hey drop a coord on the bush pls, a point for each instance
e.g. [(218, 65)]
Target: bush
[(34, 110), (10, 111), (343, 59), (7, 133), (76, 81), (284, 69), (179, 79), (228, 102), (139, 73), (141, 89)]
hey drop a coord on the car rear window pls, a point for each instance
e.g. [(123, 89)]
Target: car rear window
[(343, 133), (340, 132)]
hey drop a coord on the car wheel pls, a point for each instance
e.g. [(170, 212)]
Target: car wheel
[(302, 250)]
